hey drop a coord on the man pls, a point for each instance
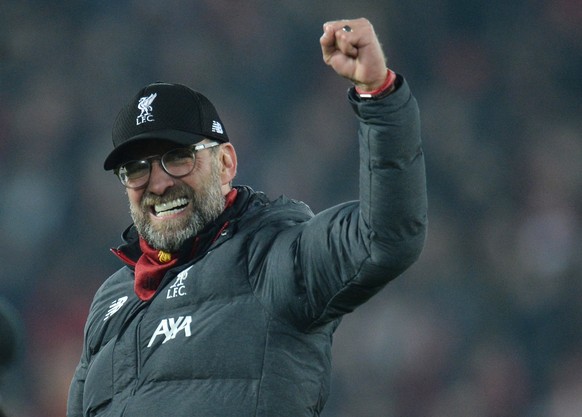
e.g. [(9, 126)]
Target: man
[(228, 301)]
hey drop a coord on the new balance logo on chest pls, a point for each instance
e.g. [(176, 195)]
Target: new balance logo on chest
[(115, 307)]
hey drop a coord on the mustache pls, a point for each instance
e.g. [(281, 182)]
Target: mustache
[(180, 191)]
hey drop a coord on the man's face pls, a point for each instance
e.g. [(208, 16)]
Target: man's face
[(170, 210)]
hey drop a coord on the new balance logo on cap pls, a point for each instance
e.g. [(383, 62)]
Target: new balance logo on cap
[(217, 127), (145, 106)]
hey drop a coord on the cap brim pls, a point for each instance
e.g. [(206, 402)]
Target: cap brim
[(118, 155)]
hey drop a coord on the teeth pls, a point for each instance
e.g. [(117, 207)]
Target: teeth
[(170, 207)]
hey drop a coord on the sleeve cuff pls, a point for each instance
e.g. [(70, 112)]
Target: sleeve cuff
[(386, 88)]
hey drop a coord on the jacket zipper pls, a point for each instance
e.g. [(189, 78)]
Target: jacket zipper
[(137, 356)]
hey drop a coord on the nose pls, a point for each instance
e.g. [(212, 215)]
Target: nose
[(160, 180)]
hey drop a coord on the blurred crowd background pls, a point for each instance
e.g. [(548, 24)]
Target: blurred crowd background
[(486, 324)]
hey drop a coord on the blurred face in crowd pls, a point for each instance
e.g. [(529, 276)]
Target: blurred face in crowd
[(168, 210)]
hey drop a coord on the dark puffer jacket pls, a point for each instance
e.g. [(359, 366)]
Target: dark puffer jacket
[(245, 328)]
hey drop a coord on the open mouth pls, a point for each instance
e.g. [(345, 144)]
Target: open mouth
[(170, 207)]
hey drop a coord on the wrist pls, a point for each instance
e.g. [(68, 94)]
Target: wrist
[(384, 89)]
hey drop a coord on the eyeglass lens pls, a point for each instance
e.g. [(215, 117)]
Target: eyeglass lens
[(177, 163)]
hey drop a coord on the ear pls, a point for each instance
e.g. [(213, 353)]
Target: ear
[(228, 164)]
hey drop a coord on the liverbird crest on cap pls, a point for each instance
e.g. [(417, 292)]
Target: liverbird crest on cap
[(179, 115)]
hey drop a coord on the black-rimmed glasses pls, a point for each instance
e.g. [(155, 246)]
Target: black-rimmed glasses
[(177, 163)]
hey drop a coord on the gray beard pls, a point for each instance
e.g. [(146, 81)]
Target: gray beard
[(207, 205)]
